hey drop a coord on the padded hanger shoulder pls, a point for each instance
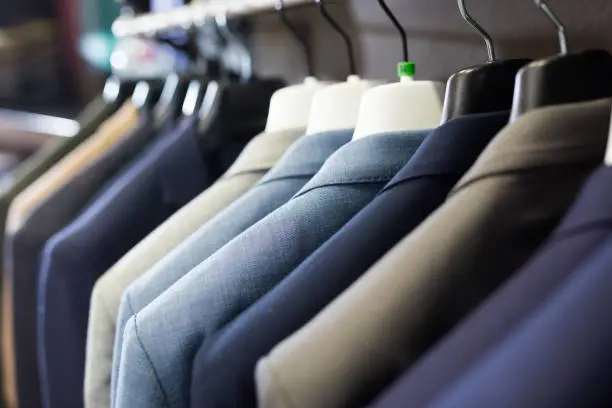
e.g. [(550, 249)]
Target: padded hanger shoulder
[(563, 79), (566, 78), (484, 88), (236, 111)]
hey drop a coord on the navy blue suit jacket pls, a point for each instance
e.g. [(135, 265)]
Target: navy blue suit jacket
[(584, 228), (23, 250), (224, 366), (558, 357), (162, 180)]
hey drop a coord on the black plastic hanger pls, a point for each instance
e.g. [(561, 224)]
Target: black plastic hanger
[(234, 112), (117, 90), (483, 88), (168, 109), (145, 96), (565, 78)]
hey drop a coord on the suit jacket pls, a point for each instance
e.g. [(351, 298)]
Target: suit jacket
[(161, 181), (256, 159), (586, 226), (302, 161), (91, 117), (223, 369), (496, 217), (558, 357), (23, 250), (164, 337)]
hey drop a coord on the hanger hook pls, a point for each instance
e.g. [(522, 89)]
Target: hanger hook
[(246, 70), (280, 7), (485, 35), (543, 5), (398, 26), (339, 30)]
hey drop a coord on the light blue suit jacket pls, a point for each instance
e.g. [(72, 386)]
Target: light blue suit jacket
[(298, 165), (161, 340)]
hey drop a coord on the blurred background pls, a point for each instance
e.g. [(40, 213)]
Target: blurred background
[(56, 54)]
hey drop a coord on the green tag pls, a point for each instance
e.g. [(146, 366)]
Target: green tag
[(406, 68)]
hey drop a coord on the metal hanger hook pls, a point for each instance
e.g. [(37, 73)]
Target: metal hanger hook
[(485, 35), (280, 7), (246, 69), (398, 26), (339, 30), (543, 5)]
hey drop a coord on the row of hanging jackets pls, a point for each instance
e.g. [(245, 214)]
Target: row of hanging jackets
[(243, 244), (316, 269)]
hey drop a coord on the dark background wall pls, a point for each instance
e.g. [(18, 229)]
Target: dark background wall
[(439, 41)]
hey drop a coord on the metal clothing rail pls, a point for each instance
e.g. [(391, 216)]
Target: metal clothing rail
[(193, 14), (34, 123)]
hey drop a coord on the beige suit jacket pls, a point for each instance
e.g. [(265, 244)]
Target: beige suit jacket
[(258, 157), (494, 220)]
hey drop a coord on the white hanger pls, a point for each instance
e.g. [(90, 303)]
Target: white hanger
[(337, 106), (402, 106), (290, 107)]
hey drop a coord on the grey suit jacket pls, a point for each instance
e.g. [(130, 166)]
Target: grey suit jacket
[(252, 164), (160, 341), (495, 218), (294, 169)]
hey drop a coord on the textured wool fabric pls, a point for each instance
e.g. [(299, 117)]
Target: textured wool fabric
[(224, 366), (253, 163), (11, 186), (586, 226), (163, 338), (558, 357), (497, 216), (23, 250), (302, 161), (144, 195)]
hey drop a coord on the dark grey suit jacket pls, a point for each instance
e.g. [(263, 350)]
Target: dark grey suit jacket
[(494, 220)]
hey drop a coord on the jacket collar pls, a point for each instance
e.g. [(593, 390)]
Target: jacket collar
[(374, 159), (453, 147), (306, 156), (556, 135), (262, 153)]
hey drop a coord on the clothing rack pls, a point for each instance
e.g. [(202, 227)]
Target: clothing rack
[(192, 15)]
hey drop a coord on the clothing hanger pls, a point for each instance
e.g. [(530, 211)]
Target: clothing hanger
[(234, 112), (168, 110), (565, 78), (404, 105), (483, 88), (290, 106), (337, 106), (116, 90), (145, 95)]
